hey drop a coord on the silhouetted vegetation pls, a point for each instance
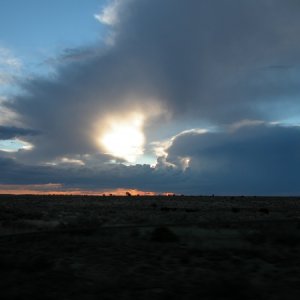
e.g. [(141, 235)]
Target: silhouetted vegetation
[(235, 209), (164, 234), (167, 209), (191, 210), (154, 205), (264, 211)]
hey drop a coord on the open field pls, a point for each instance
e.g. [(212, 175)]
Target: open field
[(74, 247)]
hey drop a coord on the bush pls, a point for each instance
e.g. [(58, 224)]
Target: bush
[(163, 234), (235, 209), (264, 211)]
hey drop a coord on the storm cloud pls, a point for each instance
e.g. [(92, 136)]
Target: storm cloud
[(248, 159), (257, 159), (205, 63), (7, 132)]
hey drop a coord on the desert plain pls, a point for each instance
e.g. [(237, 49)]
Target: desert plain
[(149, 247)]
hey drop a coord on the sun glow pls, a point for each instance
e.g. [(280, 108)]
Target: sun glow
[(124, 138)]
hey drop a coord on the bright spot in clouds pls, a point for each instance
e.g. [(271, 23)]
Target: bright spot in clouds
[(124, 138), (14, 145), (109, 14)]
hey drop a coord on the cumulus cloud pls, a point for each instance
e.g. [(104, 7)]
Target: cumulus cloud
[(104, 176), (109, 14), (251, 159)]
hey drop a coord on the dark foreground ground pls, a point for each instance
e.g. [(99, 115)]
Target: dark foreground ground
[(73, 247)]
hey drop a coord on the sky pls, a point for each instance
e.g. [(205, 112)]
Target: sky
[(192, 97)]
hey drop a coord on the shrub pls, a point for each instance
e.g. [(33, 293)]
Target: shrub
[(235, 209), (163, 234), (264, 211)]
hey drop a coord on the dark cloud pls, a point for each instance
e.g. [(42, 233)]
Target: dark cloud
[(252, 159), (91, 178), (201, 60), (7, 132), (205, 56)]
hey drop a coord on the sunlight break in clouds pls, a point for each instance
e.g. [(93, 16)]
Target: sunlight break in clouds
[(14, 145), (160, 148), (124, 138)]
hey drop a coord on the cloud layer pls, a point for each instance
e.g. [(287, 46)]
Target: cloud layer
[(256, 159)]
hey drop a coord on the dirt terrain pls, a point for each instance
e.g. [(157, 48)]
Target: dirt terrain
[(177, 247)]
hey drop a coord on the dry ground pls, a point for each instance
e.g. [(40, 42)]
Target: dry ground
[(71, 247)]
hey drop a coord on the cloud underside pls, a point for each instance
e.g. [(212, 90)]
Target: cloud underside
[(211, 63), (11, 132), (251, 160)]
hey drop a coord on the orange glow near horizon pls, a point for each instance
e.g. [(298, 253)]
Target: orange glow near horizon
[(57, 189)]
